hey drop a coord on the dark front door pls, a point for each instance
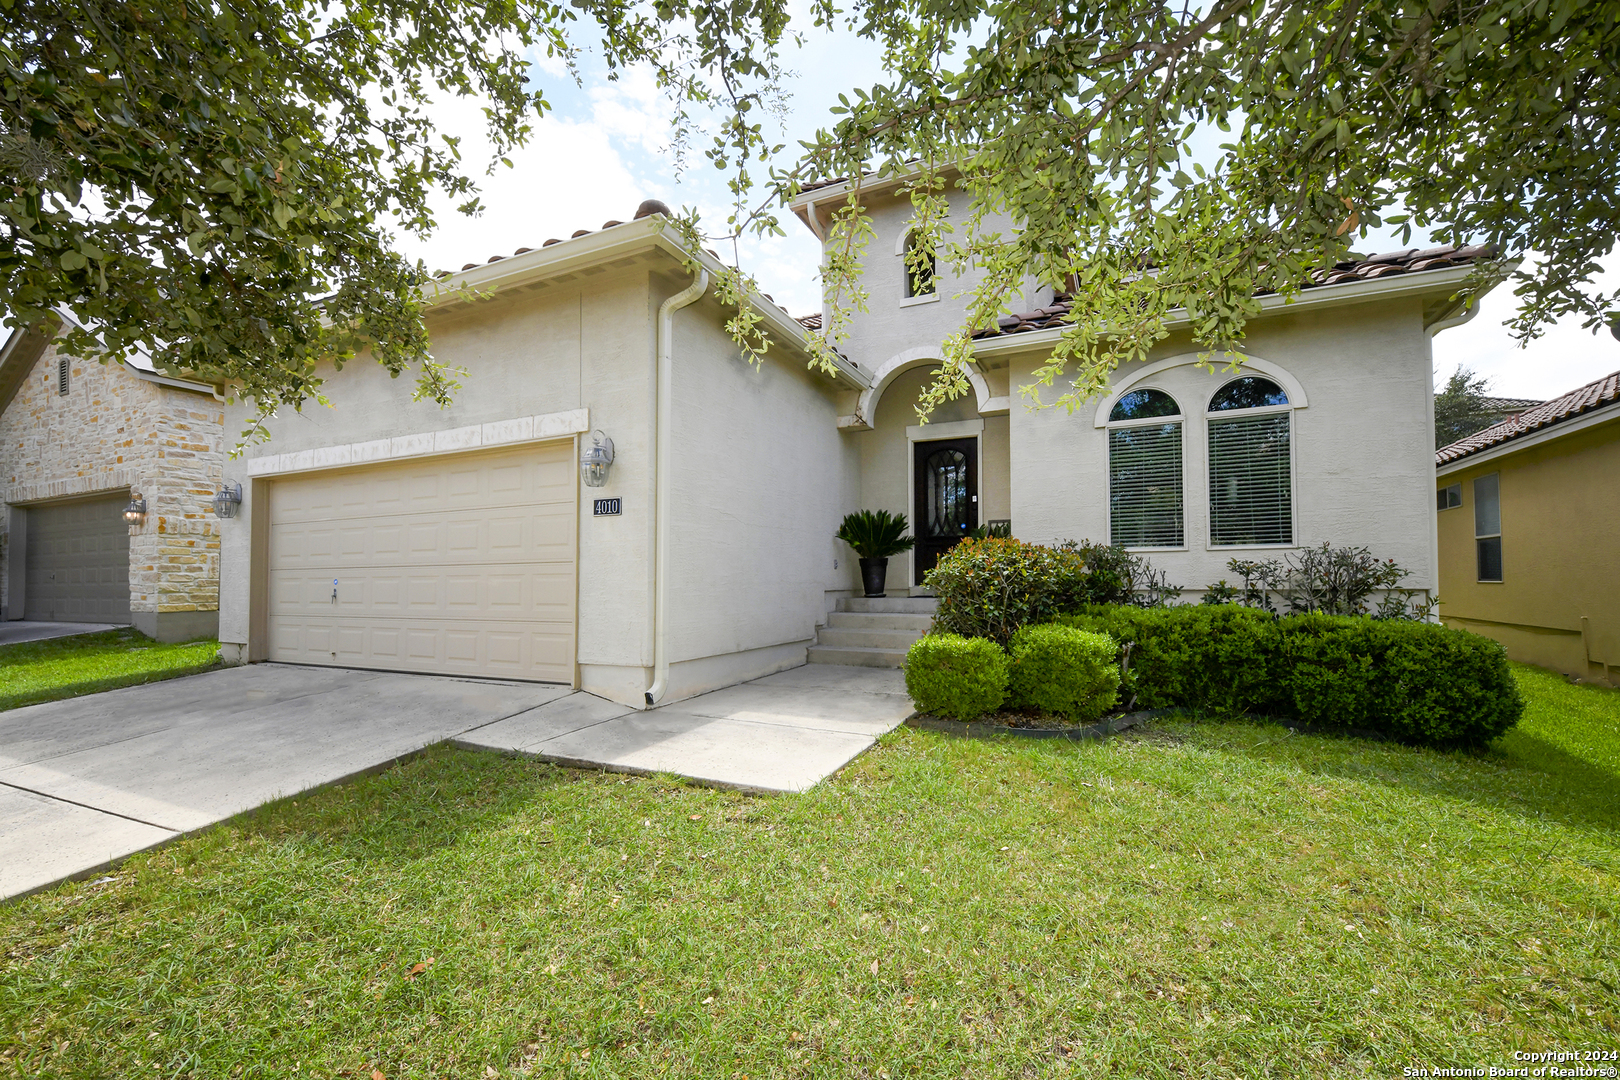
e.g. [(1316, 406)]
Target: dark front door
[(946, 476)]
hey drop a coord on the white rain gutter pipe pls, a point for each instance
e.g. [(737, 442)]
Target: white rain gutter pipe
[(661, 436)]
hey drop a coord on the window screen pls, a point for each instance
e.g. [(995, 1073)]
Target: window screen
[(1144, 485), (1450, 497), (1250, 481), (1488, 526)]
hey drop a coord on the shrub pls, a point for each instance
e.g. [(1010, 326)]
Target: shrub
[(1217, 660), (1415, 681), (1325, 580), (1059, 669), (991, 587), (956, 677)]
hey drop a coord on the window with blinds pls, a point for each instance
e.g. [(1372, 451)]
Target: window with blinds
[(1144, 485), (1250, 480)]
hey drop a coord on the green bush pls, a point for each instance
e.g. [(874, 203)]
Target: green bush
[(1216, 660), (1417, 682), (956, 677), (991, 587), (1059, 669)]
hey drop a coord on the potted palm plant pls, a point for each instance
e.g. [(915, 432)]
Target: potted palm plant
[(875, 537)]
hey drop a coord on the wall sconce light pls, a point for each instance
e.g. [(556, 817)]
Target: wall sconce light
[(595, 459), (228, 499), (135, 512)]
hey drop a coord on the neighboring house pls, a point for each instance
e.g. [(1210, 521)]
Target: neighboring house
[(79, 440), (1529, 513), (387, 533)]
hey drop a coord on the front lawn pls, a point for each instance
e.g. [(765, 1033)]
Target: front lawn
[(1204, 900), (35, 671)]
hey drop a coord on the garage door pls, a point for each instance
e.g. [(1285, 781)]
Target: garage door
[(460, 565), (77, 562)]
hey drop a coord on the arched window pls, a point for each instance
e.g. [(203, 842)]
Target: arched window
[(920, 267), (1144, 470), (1251, 464)]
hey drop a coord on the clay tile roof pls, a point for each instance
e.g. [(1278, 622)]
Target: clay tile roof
[(1372, 267), (1594, 395), (810, 322)]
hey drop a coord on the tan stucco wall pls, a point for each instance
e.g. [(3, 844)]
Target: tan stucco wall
[(115, 431), (758, 478), (1558, 604), (1363, 448)]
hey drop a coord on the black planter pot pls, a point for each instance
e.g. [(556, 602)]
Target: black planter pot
[(874, 573)]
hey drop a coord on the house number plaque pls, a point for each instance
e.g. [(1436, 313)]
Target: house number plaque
[(606, 507)]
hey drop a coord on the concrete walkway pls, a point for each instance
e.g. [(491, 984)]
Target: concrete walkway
[(20, 630), (86, 782)]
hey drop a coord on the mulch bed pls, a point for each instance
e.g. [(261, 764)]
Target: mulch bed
[(1020, 725)]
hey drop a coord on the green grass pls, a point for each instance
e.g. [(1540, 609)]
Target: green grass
[(1201, 900), (36, 671)]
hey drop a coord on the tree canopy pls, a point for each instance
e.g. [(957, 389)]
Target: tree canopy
[(217, 183), (1155, 158)]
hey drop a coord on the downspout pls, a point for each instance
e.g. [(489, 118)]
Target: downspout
[(661, 436)]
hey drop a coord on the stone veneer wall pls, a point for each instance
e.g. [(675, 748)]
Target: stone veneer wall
[(114, 430)]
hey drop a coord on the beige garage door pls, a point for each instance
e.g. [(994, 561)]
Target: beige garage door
[(460, 565)]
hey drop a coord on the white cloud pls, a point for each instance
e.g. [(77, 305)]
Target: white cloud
[(1562, 359)]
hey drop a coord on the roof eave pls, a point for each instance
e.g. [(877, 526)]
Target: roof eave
[(1536, 437), (615, 243), (1316, 298)]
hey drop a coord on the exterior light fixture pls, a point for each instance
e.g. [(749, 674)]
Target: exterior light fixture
[(227, 500), (595, 459), (135, 512)]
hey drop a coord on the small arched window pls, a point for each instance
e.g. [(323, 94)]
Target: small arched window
[(1251, 464), (1144, 404), (1249, 392), (921, 266), (1144, 470)]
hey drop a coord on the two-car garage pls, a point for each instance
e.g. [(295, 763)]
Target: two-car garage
[(460, 564)]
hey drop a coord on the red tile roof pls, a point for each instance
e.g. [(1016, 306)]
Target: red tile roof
[(1410, 261), (810, 322), (1594, 395)]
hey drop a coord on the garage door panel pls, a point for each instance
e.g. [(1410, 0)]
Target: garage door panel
[(459, 565), (77, 563)]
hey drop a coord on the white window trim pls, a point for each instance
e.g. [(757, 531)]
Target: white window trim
[(1180, 418), (925, 298), (1249, 365), (1293, 475)]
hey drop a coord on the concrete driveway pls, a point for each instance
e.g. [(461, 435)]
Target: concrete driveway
[(88, 781)]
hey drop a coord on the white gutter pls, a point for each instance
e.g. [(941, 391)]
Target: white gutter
[(661, 437)]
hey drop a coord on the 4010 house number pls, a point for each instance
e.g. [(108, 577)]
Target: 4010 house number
[(606, 507)]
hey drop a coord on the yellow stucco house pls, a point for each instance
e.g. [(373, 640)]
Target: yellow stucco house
[(1529, 533)]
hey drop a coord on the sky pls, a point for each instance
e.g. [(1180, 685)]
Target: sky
[(605, 147)]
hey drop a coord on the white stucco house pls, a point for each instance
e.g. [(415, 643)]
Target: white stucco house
[(387, 533)]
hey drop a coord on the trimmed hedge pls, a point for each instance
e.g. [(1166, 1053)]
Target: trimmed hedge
[(1059, 669), (1414, 681), (960, 678)]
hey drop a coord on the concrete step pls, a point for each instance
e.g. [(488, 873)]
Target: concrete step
[(890, 605), (833, 654), (875, 620), (867, 639)]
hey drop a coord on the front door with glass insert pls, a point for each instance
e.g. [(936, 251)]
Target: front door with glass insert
[(946, 479)]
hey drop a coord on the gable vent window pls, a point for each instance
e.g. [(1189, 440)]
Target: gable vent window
[(1488, 526), (62, 376), (1251, 472), (1144, 470)]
